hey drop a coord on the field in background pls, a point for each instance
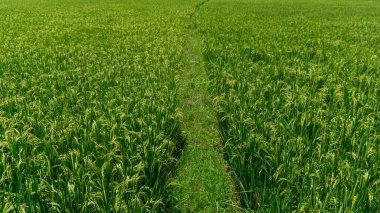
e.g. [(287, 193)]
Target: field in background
[(296, 87), (88, 118), (89, 106)]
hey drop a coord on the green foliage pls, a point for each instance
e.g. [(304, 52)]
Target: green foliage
[(296, 88), (88, 118)]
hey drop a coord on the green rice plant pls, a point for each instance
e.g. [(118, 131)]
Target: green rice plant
[(88, 106), (296, 90)]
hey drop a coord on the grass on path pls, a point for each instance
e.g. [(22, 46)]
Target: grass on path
[(202, 183)]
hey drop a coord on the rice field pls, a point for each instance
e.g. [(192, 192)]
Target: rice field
[(91, 113), (88, 118), (296, 87)]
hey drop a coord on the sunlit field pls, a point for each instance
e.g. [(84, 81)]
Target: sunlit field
[(90, 119), (296, 86)]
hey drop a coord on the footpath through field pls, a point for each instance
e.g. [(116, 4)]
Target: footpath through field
[(202, 183)]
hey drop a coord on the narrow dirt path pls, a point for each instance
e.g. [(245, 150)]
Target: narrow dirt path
[(202, 183)]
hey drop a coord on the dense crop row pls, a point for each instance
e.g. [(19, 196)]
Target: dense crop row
[(296, 87), (88, 118)]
